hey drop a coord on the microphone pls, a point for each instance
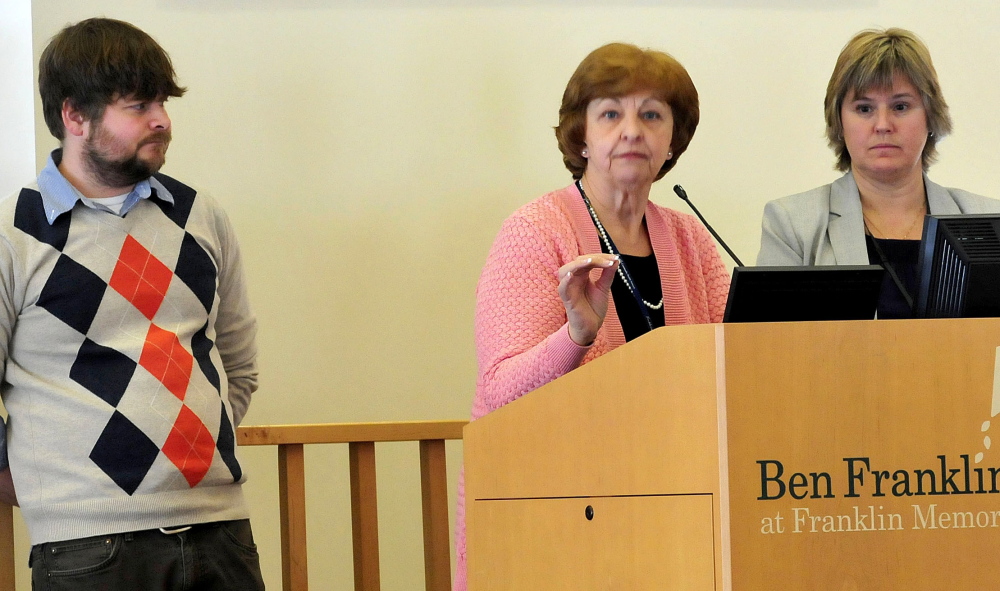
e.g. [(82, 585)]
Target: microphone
[(683, 195)]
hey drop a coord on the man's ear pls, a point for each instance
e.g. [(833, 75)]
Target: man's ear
[(73, 119)]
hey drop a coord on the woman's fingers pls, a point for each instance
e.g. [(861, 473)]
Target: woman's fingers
[(574, 276), (586, 300), (607, 276), (583, 264)]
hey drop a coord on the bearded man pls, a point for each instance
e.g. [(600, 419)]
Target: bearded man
[(127, 344)]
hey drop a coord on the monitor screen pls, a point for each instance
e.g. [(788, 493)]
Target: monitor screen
[(780, 294)]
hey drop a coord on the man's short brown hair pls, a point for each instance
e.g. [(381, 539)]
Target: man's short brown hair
[(95, 61)]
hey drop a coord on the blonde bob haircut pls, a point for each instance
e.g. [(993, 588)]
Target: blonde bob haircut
[(870, 61), (616, 70)]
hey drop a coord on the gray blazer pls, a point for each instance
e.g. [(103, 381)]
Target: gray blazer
[(824, 226)]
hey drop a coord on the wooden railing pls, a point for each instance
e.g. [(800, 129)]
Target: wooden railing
[(361, 439)]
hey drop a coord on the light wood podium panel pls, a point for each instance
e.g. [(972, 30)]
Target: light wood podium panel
[(899, 410), (621, 546)]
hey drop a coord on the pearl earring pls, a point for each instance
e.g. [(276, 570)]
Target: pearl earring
[(670, 155), (583, 153)]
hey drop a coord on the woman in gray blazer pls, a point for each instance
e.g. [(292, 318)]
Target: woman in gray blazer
[(884, 115)]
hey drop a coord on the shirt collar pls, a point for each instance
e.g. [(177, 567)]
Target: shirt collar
[(59, 195)]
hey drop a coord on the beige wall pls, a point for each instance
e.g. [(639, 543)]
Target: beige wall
[(368, 151), (17, 140)]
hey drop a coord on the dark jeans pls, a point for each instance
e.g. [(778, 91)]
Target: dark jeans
[(218, 556)]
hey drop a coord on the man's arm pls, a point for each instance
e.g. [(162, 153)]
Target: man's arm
[(236, 326), (8, 316)]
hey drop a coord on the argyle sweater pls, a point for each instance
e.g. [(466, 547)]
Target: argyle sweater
[(128, 357)]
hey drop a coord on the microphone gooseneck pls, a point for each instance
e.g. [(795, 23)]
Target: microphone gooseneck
[(684, 196)]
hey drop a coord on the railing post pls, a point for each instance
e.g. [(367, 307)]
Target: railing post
[(6, 547), (434, 493), (292, 498), (364, 516)]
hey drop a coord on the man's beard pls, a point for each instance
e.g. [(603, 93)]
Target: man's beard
[(120, 172)]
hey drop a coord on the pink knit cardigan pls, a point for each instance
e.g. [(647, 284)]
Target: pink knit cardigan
[(522, 338)]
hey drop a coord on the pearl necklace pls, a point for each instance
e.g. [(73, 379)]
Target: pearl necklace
[(611, 249)]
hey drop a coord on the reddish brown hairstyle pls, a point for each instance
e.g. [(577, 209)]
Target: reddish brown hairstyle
[(613, 71)]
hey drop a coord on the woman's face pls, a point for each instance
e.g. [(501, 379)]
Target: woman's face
[(628, 139), (885, 131)]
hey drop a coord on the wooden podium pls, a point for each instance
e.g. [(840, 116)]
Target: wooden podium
[(827, 455)]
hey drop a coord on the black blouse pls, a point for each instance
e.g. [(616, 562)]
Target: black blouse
[(646, 275), (903, 256)]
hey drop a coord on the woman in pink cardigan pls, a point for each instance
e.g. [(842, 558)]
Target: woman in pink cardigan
[(582, 270)]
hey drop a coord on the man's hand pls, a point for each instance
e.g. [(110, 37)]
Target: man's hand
[(7, 494)]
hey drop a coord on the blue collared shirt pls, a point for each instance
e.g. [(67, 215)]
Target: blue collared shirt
[(59, 196)]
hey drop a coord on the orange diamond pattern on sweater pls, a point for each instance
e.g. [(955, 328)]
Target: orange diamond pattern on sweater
[(168, 361), (140, 277), (190, 446)]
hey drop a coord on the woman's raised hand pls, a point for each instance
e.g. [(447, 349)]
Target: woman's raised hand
[(586, 300)]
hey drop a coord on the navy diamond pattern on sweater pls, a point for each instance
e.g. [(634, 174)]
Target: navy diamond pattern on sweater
[(124, 452), (201, 348), (196, 269), (226, 444), (72, 293), (29, 217), (183, 199), (103, 371)]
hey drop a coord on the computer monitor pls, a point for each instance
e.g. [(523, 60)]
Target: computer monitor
[(959, 267), (779, 294)]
